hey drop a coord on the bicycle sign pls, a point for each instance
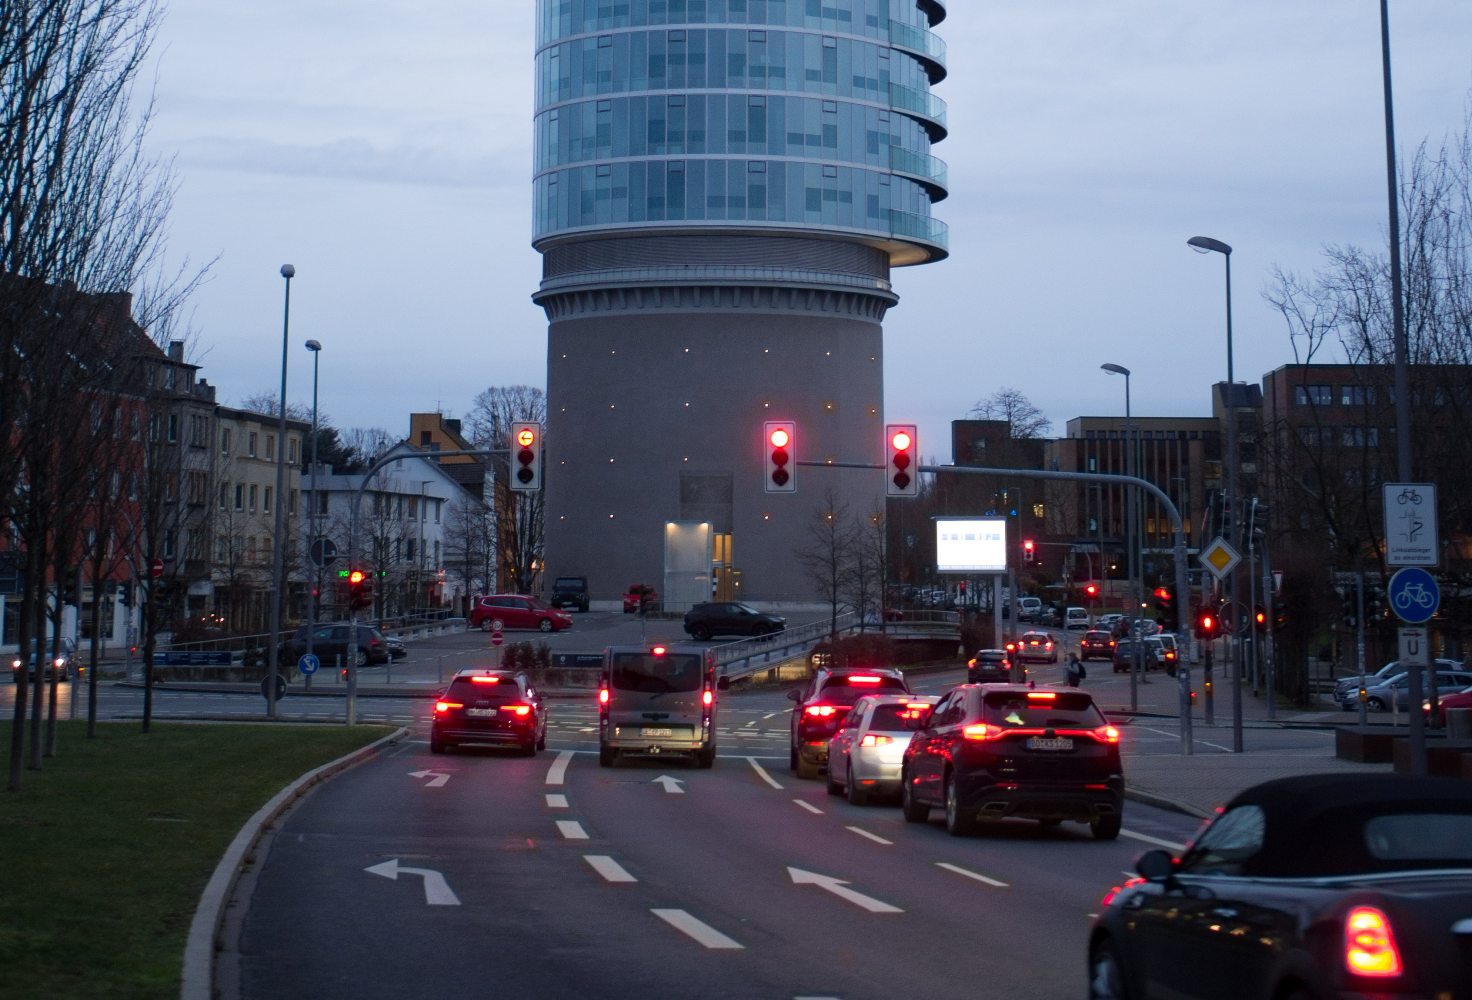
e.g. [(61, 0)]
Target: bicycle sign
[(1414, 595), (1410, 524)]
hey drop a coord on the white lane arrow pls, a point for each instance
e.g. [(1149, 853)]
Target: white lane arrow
[(437, 778), (437, 891), (671, 785), (840, 889)]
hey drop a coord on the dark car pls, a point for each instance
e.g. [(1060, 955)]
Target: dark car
[(989, 666), (330, 643), (825, 703), (1124, 656), (991, 751), (62, 661), (730, 618), (1322, 886), (498, 708), (570, 592), (1096, 644), (397, 648)]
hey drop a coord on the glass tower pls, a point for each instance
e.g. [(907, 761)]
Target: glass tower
[(721, 188)]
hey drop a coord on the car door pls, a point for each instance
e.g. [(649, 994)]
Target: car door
[(849, 731), (928, 748)]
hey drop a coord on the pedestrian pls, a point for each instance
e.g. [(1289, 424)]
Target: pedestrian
[(1074, 670)]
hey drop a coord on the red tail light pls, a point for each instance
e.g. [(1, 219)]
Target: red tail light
[(1109, 896), (876, 740), (707, 697), (1369, 944), (445, 706), (603, 696), (1106, 734), (820, 711), (982, 731), (864, 679), (485, 680), (1042, 695), (517, 709)]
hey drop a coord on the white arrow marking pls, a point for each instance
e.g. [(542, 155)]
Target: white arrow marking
[(970, 874), (840, 889), (763, 772), (438, 779), (437, 891), (697, 929), (671, 785), (558, 770)]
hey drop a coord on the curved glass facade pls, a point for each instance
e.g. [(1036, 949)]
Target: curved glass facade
[(758, 114)]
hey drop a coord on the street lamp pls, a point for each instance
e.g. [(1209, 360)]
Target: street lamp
[(1130, 531), (273, 666), (316, 569), (1205, 244)]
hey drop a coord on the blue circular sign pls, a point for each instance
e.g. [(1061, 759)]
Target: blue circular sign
[(1414, 595), (309, 663)]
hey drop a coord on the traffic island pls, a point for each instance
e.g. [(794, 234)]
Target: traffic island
[(1369, 746)]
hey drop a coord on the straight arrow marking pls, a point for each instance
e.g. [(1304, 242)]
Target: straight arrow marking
[(437, 891), (840, 889), (437, 779), (671, 785)]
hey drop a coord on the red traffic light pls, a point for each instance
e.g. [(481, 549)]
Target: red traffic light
[(1092, 590), (356, 577), (1162, 593), (899, 443), (779, 446)]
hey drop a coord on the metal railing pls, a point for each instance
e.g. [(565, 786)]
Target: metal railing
[(745, 657)]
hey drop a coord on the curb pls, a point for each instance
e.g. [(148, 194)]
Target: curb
[(1164, 802), (197, 979)]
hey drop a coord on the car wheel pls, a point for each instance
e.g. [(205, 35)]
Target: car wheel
[(529, 749), (542, 741), (485, 625), (806, 769), (1106, 827), (834, 788), (1106, 978), (360, 659), (1375, 705), (856, 795), (913, 811), (545, 624), (792, 758), (606, 756), (700, 633), (959, 823)]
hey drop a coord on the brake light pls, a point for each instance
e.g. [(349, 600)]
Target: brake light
[(517, 709), (1106, 734), (707, 697), (445, 706), (876, 740), (485, 680), (1041, 695), (982, 731), (864, 679), (657, 650), (969, 663), (820, 711), (1111, 643), (1369, 945), (603, 696)]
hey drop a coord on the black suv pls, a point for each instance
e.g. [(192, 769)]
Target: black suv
[(570, 592), (993, 751), (989, 666), (496, 708), (330, 643), (825, 702), (730, 618)]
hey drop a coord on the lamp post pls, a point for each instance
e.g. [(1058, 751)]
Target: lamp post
[(1205, 244), (1130, 530), (273, 666), (316, 589)]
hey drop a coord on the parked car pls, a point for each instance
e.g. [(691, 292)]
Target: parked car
[(1029, 608), (1036, 647), (1107, 621), (496, 708), (989, 666), (397, 648), (864, 755), (1096, 644), (517, 611), (1394, 694), (62, 663), (570, 592), (1346, 685), (1459, 699), (1264, 903), (331, 644), (1076, 618), (824, 703), (992, 751), (730, 618), (640, 597)]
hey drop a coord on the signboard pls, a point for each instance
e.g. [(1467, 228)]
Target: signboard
[(971, 544), (324, 552), (1413, 651), (1413, 595), (193, 658), (1219, 557), (496, 638), (157, 569), (577, 660), (1410, 525)]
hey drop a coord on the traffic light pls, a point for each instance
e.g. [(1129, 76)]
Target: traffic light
[(1260, 618), (526, 457), (1206, 624), (1165, 603), (778, 441), (360, 590), (901, 444), (1029, 550)]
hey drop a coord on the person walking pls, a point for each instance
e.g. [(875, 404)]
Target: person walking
[(1074, 671)]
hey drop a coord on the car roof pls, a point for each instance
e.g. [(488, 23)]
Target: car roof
[(488, 672), (891, 698)]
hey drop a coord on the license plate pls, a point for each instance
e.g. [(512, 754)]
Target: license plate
[(646, 731), (1050, 743), (480, 713)]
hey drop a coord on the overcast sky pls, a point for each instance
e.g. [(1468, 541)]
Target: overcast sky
[(384, 149)]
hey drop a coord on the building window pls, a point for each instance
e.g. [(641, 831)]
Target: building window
[(291, 503), (240, 496), (266, 496), (224, 495), (252, 497), (251, 445), (1313, 395), (224, 441), (291, 444), (1356, 395), (270, 448)]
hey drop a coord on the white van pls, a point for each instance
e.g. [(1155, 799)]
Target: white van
[(1029, 608), (1076, 618)]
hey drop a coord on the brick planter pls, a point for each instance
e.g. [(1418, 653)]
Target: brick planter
[(1368, 746)]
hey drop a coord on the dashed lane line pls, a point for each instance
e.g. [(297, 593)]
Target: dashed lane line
[(700, 931), (556, 801), (610, 869), (558, 771), (1169, 845), (809, 807), (970, 874), (571, 829), (870, 836), (763, 773)]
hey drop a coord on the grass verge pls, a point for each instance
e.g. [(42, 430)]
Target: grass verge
[(109, 845)]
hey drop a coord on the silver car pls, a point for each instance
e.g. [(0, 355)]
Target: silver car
[(1351, 685), (1394, 694), (864, 756)]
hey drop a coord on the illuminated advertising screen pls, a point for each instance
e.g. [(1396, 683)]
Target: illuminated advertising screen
[(971, 544)]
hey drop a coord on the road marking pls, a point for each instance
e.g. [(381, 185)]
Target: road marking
[(558, 771), (556, 801), (970, 874), (437, 779), (872, 836), (809, 807), (671, 785), (751, 723), (610, 869), (571, 829), (763, 772), (437, 891), (1169, 845), (772, 715), (702, 932), (840, 889)]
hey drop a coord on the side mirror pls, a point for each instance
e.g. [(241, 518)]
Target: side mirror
[(1156, 865), (794, 695)]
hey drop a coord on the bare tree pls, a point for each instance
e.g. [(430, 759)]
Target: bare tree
[(828, 556), (1028, 422), (868, 569), (470, 543), (519, 514)]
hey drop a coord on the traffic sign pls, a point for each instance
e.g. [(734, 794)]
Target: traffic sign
[(1413, 647), (1219, 557), (1410, 524), (266, 687), (1414, 595), (309, 664), (324, 552), (157, 569), (496, 638)]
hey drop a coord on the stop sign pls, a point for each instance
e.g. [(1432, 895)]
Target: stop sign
[(496, 638), (157, 569)]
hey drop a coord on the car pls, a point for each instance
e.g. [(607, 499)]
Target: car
[(505, 611), (1029, 608), (989, 666), (1345, 685), (1123, 659), (397, 648), (62, 662), (730, 618), (1458, 699), (488, 707), (824, 702), (864, 754), (1323, 885), (992, 751), (656, 700), (640, 597), (1107, 621), (1036, 647), (1076, 618), (1162, 653), (331, 644), (1096, 644), (569, 592), (1394, 694), (1144, 628)]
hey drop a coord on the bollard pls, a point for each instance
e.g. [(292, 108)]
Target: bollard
[(1459, 724)]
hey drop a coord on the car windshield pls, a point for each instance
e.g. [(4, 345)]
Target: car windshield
[(1032, 710), (845, 689), (651, 674), (498, 690)]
